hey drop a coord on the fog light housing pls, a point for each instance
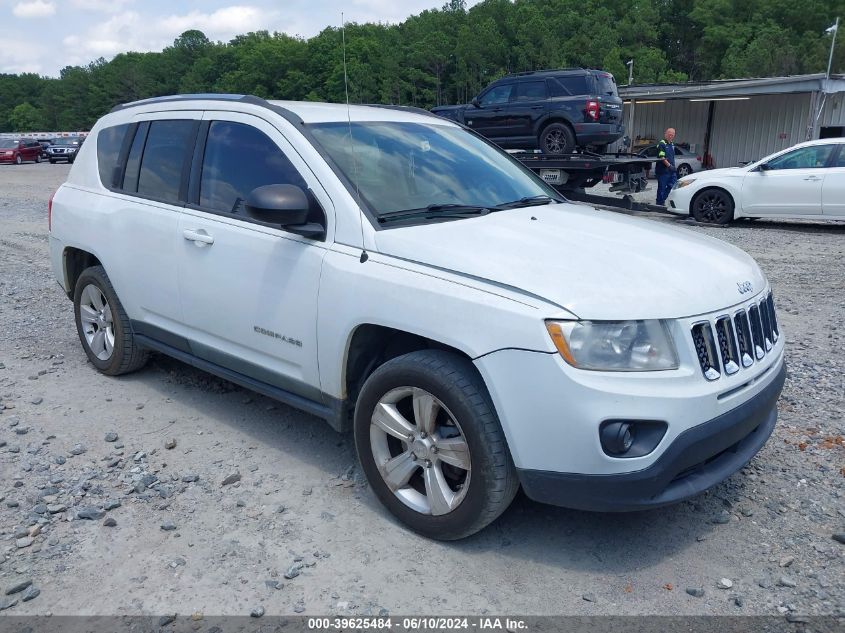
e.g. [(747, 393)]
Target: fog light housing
[(630, 438), (617, 437)]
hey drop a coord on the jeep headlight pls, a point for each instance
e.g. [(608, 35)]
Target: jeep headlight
[(615, 345), (684, 183)]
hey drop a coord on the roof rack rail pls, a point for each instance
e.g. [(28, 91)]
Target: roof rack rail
[(212, 96)]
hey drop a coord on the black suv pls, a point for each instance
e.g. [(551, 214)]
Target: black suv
[(556, 111)]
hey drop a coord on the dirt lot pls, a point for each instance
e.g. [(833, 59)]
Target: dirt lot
[(301, 508)]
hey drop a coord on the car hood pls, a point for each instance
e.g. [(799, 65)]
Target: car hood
[(724, 172), (449, 108), (595, 264)]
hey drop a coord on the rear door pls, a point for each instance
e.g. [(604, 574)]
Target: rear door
[(791, 186), (249, 289), (143, 218), (833, 188), (529, 100), (490, 119)]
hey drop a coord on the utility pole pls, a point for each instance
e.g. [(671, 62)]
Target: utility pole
[(630, 65), (811, 127)]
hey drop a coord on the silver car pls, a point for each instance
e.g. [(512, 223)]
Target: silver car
[(685, 160)]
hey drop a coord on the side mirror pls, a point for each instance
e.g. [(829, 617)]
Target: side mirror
[(765, 167), (476, 102), (285, 205)]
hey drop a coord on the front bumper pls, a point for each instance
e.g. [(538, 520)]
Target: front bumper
[(696, 460)]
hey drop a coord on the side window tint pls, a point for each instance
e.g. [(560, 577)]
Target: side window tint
[(814, 156), (497, 96), (133, 162), (238, 158), (109, 142), (531, 91), (576, 85), (168, 144), (840, 162)]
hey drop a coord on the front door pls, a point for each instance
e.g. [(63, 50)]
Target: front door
[(833, 189), (248, 289), (792, 184), (490, 118)]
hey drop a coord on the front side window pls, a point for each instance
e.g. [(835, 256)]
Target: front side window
[(497, 96), (812, 157), (168, 144), (238, 158), (398, 166)]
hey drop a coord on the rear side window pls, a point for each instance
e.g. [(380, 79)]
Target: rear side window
[(569, 86), (530, 91), (168, 145), (109, 142), (238, 158)]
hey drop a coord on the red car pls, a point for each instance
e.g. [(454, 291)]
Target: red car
[(13, 150)]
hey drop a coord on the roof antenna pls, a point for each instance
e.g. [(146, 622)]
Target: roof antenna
[(364, 256)]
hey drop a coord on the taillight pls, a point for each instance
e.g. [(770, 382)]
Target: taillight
[(50, 212), (592, 110), (698, 158)]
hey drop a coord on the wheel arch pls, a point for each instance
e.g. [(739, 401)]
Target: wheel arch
[(370, 345), (554, 118), (74, 261)]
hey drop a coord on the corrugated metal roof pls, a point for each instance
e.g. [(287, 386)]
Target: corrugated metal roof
[(736, 87)]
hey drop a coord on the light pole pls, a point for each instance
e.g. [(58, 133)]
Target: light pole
[(833, 29), (630, 65)]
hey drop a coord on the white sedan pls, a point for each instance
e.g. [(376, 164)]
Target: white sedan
[(806, 181)]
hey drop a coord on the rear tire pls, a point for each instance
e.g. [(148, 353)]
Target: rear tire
[(684, 170), (425, 422), (38, 159), (557, 138), (713, 206), (103, 326)]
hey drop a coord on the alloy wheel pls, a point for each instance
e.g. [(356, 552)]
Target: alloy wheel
[(95, 313), (420, 451), (711, 207)]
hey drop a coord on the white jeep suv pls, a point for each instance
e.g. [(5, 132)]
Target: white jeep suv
[(393, 272)]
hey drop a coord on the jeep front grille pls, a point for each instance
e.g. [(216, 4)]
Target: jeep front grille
[(728, 344)]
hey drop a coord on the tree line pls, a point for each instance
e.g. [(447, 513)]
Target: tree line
[(447, 55)]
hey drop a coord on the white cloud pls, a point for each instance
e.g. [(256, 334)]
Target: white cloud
[(223, 23), (35, 9), (103, 6)]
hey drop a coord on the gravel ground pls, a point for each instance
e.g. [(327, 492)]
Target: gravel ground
[(195, 496)]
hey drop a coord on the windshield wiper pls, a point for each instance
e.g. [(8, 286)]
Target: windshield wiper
[(529, 201), (433, 211)]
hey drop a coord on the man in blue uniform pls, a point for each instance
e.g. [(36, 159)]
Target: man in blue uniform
[(665, 166)]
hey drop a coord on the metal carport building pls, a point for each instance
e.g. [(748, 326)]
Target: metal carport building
[(738, 120)]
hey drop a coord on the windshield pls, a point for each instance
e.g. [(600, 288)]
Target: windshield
[(67, 141), (6, 143), (400, 166)]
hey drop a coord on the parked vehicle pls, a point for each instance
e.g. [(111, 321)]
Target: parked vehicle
[(396, 274), (556, 111), (65, 148), (685, 161), (19, 151), (806, 181)]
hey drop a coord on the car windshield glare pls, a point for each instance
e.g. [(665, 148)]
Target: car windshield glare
[(399, 166)]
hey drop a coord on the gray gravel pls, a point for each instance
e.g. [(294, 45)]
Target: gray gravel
[(787, 505)]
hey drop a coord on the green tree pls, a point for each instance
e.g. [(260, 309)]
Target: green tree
[(26, 118)]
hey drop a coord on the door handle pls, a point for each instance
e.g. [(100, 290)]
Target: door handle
[(812, 178), (199, 237), (537, 107)]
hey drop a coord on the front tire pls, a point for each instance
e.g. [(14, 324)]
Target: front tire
[(684, 170), (431, 445), (557, 138), (103, 326), (713, 206), (18, 160)]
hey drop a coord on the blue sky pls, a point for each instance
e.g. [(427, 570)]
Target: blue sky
[(43, 36)]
